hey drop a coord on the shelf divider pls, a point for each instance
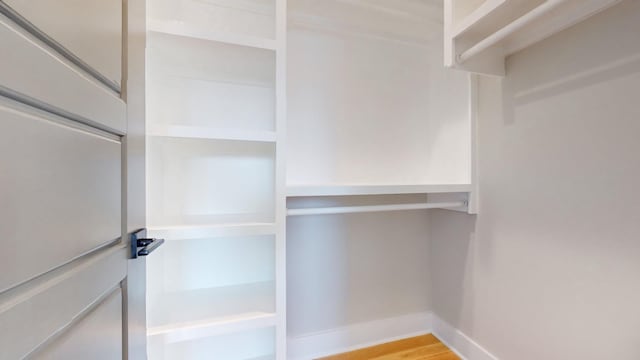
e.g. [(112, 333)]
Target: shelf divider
[(362, 189), (201, 132), (213, 327), (182, 29)]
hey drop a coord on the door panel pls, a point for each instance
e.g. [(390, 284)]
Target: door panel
[(79, 342), (61, 199), (94, 35), (34, 312), (36, 72)]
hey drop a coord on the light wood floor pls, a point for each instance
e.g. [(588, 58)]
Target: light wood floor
[(426, 347)]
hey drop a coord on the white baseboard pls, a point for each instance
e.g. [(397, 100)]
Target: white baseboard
[(357, 336), (352, 337), (458, 342)]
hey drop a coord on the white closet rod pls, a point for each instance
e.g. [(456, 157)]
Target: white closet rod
[(372, 208), (509, 29)]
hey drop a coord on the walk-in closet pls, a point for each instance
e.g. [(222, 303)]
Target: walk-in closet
[(320, 179)]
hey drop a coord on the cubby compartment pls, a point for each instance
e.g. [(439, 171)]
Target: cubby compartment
[(209, 87), (209, 182), (257, 344), (254, 18), (210, 282)]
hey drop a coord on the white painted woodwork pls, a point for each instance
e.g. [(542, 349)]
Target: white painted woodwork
[(32, 313), (212, 231), (61, 195), (280, 182), (374, 208), (79, 342), (64, 271), (407, 21), (374, 123), (207, 84), (189, 30), (255, 344), (210, 278), (480, 35), (343, 190), (135, 147), (213, 327), (206, 132), (34, 70), (203, 182), (215, 177), (374, 110), (89, 29), (253, 18)]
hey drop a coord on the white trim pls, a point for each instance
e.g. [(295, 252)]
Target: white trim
[(371, 189), (458, 342), (179, 28), (373, 208), (362, 335), (188, 232), (358, 336)]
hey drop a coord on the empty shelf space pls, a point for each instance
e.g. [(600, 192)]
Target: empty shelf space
[(345, 190), (202, 182), (249, 339), (210, 305), (180, 28), (214, 327), (203, 132), (212, 231)]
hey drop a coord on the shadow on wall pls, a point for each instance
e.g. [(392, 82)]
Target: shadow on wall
[(575, 59), (452, 263)]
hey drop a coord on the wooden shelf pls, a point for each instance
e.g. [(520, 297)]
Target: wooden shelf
[(183, 29), (480, 41), (214, 327), (196, 132), (343, 190), (212, 231)]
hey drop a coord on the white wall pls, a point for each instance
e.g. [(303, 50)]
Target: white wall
[(374, 109), (550, 268), (348, 269)]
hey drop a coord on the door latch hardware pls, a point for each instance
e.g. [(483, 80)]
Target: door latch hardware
[(141, 245)]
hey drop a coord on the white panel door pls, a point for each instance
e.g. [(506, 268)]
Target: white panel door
[(89, 30), (63, 260)]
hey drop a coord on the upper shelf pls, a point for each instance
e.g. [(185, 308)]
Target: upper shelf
[(344, 190), (201, 132), (212, 231), (479, 40), (187, 30)]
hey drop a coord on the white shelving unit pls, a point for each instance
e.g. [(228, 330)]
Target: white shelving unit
[(479, 35), (216, 91)]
